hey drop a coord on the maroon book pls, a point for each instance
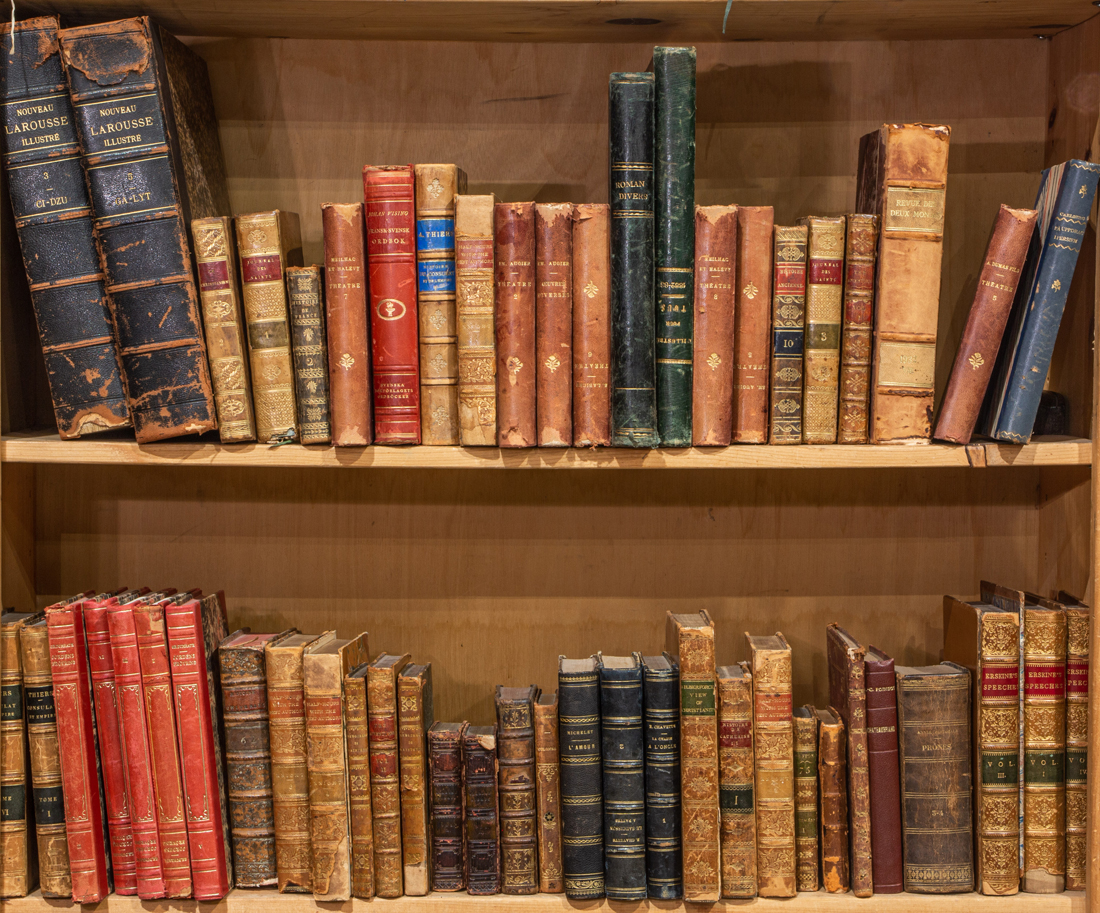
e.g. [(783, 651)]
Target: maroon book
[(882, 763)]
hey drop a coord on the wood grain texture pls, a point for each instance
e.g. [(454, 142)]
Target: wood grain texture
[(17, 537)]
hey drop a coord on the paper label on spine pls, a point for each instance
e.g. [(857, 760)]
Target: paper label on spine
[(917, 209), (907, 364)]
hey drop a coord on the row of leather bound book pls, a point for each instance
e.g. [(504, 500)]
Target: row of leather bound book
[(149, 752), (440, 317)]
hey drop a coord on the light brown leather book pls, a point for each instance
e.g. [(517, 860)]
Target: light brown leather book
[(223, 325), (360, 820), (902, 178), (773, 744), (832, 767), (712, 371), (19, 873), (477, 358), (514, 245), (554, 323), (1077, 740), (736, 781), (517, 789), (269, 242), (788, 334), (807, 848), (752, 324), (591, 326), (414, 719), (385, 779), (855, 344), (436, 186), (548, 794), (289, 767), (824, 314)]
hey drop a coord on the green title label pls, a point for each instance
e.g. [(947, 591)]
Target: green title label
[(805, 765), (1077, 765), (697, 698), (1045, 768), (736, 798), (11, 703), (1000, 768)]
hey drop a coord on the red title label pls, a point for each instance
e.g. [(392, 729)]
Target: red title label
[(262, 268), (826, 272), (790, 279), (861, 276), (1043, 679), (1001, 682), (214, 276), (735, 734), (474, 253), (324, 711), (1077, 676), (773, 708)]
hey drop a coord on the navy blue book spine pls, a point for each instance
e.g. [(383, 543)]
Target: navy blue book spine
[(664, 862), (581, 783)]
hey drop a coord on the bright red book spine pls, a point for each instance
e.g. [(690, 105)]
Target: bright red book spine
[(205, 826), (391, 262), (126, 662), (112, 763), (156, 681), (76, 746)]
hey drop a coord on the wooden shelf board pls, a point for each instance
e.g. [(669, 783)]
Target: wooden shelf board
[(591, 20), (43, 448)]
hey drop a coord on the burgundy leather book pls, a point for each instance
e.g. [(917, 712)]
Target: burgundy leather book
[(391, 267), (554, 323), (515, 324), (715, 277), (882, 763)]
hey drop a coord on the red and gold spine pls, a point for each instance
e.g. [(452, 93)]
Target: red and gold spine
[(1077, 745), (554, 323), (391, 264), (752, 324), (715, 276), (855, 345), (514, 226), (591, 326)]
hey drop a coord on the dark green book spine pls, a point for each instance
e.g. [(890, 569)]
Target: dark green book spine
[(674, 165), (581, 783), (633, 305)]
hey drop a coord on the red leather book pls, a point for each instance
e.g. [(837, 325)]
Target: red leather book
[(84, 811), (203, 791), (883, 765), (391, 269)]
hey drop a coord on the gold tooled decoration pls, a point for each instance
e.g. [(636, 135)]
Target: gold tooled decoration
[(775, 822), (1000, 635), (1077, 633), (1076, 808), (1044, 811), (1045, 853), (1075, 853), (999, 724), (264, 302), (773, 746), (1044, 722), (1000, 812), (1045, 635), (1077, 722)]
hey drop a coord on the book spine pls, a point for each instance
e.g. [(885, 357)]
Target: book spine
[(807, 866), (18, 876), (752, 324), (591, 325), (413, 704), (859, 781), (554, 325), (514, 243), (630, 190), (664, 862), (305, 291), (674, 191), (482, 824), (736, 776), (53, 219), (581, 784), (715, 277), (219, 294), (855, 343), (621, 707), (477, 353), (448, 807), (824, 312), (833, 787), (347, 324), (391, 265), (548, 796), (118, 69), (1077, 744), (360, 818), (436, 186), (788, 334), (201, 790), (516, 786), (883, 776), (385, 783)]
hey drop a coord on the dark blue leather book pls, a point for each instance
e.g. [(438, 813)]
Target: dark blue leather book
[(664, 862), (1064, 202), (623, 777), (579, 756), (630, 193), (53, 220)]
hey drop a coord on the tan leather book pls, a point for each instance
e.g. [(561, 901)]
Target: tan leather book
[(514, 245), (269, 242), (289, 767), (788, 334), (807, 848), (1077, 740), (902, 178), (855, 343), (752, 324), (832, 766), (773, 744), (591, 325), (715, 279), (414, 719), (824, 314), (19, 873), (548, 794), (554, 323), (436, 186), (223, 325), (517, 789), (690, 637), (323, 672), (385, 778), (360, 819), (736, 781), (477, 355)]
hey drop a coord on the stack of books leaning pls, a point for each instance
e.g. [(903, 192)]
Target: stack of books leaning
[(169, 758), (447, 318)]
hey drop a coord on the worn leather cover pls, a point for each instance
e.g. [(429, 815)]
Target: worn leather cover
[(860, 244), (19, 875), (715, 279), (591, 325), (477, 358), (514, 243), (674, 189), (53, 219), (934, 745), (581, 778), (385, 773), (690, 638), (788, 334), (360, 809), (149, 136), (832, 766), (306, 303), (882, 769), (436, 186), (630, 192), (347, 325), (664, 862), (414, 719), (391, 264), (482, 824), (1077, 741), (1005, 256), (807, 849), (554, 325), (448, 806), (548, 794), (824, 315), (736, 781), (516, 783), (752, 324), (621, 706)]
